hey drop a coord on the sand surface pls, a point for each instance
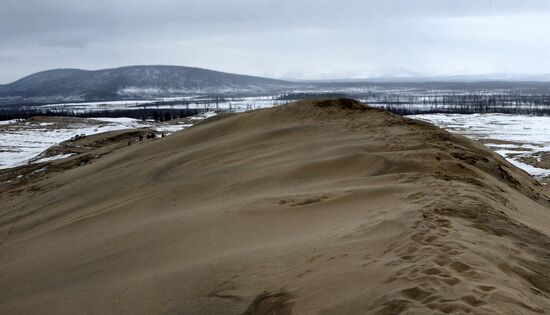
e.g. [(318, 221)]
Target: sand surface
[(318, 207)]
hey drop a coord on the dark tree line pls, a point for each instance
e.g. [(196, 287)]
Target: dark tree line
[(522, 99), (480, 100), (308, 96), (414, 101), (408, 109), (504, 102), (206, 103), (7, 113)]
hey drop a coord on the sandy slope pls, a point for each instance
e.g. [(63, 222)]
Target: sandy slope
[(310, 208)]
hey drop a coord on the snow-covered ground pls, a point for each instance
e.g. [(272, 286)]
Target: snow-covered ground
[(187, 102), (52, 158), (512, 136), (7, 122), (22, 141)]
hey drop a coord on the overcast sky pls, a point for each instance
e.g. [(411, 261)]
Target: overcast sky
[(300, 39)]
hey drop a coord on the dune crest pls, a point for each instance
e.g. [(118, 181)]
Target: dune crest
[(315, 207)]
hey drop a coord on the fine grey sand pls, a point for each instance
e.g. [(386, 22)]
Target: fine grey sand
[(316, 207)]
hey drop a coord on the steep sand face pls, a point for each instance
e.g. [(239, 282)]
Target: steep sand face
[(320, 207)]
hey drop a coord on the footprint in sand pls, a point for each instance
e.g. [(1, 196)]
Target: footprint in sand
[(460, 267), (303, 201)]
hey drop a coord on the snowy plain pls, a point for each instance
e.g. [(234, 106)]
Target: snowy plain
[(512, 136), (187, 102), (22, 141)]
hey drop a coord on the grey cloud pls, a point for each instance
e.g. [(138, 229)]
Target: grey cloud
[(282, 38)]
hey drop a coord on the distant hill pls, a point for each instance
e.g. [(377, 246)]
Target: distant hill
[(131, 82)]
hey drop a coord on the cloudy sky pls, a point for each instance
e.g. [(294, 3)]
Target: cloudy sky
[(300, 39)]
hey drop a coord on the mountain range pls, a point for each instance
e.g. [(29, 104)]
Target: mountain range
[(132, 82), (146, 82)]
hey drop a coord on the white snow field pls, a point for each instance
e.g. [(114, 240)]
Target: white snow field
[(523, 135), (21, 141), (187, 102)]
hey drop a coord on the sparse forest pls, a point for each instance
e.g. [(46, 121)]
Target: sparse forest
[(421, 99), (7, 113), (404, 99)]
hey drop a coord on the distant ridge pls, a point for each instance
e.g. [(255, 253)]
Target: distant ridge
[(481, 78), (131, 82)]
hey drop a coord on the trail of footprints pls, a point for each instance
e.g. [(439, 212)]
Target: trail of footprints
[(432, 261), (441, 279), (10, 229), (433, 266)]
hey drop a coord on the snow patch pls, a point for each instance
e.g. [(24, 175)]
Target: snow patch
[(530, 132), (53, 158), (7, 122), (22, 142)]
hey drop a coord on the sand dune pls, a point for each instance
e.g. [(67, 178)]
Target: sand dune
[(318, 207)]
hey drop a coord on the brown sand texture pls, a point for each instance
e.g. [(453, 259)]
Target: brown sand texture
[(315, 207)]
